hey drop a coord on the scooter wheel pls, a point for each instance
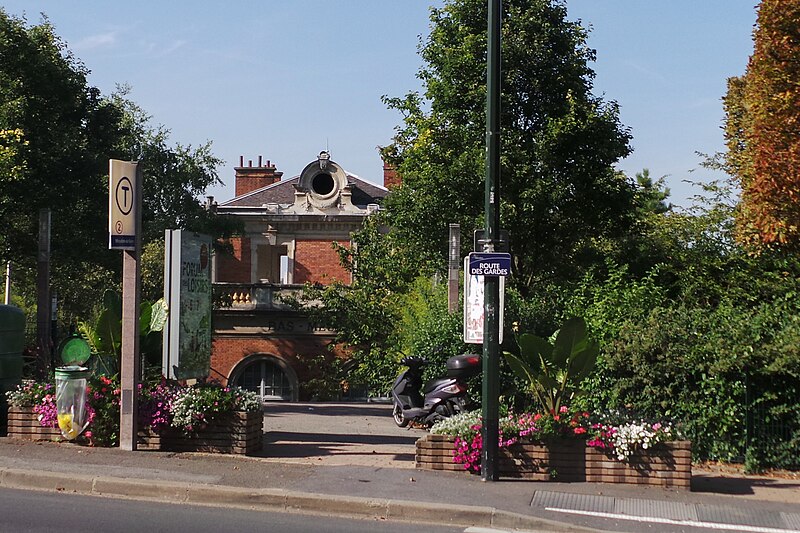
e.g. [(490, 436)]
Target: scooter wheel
[(399, 417)]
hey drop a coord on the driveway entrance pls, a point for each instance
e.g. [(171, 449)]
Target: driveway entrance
[(362, 434)]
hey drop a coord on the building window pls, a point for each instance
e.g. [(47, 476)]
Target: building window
[(265, 377), (322, 184)]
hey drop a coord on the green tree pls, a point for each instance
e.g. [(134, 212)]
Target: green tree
[(763, 130), (56, 136), (366, 313), (64, 134), (559, 142), (175, 176)]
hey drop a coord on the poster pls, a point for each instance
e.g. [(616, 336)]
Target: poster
[(187, 290)]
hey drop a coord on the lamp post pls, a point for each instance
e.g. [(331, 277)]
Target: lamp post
[(491, 338)]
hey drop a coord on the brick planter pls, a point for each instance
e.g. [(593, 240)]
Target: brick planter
[(667, 464), (23, 423), (235, 433)]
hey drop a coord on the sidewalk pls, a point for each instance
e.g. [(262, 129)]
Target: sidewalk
[(379, 481)]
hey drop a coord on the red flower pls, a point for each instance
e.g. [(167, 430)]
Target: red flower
[(579, 431)]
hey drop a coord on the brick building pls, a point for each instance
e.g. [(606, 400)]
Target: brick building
[(260, 343)]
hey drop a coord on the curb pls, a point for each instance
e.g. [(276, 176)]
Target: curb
[(278, 500)]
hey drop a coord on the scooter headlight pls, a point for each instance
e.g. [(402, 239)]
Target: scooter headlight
[(455, 388)]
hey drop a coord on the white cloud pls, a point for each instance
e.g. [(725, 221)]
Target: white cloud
[(99, 40), (172, 47), (157, 49)]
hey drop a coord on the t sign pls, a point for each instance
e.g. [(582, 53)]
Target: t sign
[(123, 180)]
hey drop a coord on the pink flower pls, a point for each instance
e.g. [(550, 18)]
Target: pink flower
[(563, 409)]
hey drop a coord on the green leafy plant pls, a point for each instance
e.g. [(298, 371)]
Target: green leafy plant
[(104, 335), (554, 371), (103, 394)]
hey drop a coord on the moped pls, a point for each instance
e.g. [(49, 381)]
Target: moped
[(440, 398)]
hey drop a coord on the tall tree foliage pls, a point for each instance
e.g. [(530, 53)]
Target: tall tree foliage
[(56, 135), (365, 313), (559, 190), (175, 175), (65, 131), (763, 130)]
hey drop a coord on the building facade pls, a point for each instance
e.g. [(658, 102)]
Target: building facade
[(259, 342)]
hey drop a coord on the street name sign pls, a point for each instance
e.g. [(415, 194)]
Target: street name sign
[(489, 264)]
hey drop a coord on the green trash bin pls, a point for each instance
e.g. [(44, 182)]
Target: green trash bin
[(12, 343)]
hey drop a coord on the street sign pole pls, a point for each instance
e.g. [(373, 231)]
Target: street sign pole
[(125, 225), (491, 344)]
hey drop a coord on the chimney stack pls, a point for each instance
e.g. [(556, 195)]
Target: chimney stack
[(390, 176), (250, 178)]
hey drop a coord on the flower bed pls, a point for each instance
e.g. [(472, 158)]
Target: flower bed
[(235, 433), (564, 445), (666, 464), (203, 417)]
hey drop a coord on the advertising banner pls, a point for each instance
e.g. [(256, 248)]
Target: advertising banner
[(187, 290), (473, 305)]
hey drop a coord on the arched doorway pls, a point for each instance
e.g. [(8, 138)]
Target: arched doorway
[(268, 376)]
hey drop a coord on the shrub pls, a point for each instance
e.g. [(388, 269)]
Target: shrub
[(103, 410)]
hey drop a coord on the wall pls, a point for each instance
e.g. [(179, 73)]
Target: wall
[(227, 351), (235, 268), (315, 261)]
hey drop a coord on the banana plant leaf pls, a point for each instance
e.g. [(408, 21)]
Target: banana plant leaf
[(554, 371)]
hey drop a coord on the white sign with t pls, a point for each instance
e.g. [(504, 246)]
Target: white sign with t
[(122, 183)]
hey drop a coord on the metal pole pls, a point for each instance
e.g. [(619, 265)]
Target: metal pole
[(8, 283), (43, 336), (491, 342), (454, 266)]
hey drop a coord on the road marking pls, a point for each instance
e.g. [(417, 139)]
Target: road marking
[(691, 523)]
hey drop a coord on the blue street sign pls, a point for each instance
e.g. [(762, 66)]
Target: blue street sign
[(489, 264)]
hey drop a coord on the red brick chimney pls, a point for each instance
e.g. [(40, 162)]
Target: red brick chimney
[(390, 176), (250, 178)]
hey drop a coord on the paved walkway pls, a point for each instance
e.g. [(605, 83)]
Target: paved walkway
[(350, 459), (336, 434)]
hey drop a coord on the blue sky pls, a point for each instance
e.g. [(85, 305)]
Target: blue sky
[(287, 79)]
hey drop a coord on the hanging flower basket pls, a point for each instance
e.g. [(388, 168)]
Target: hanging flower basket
[(666, 464)]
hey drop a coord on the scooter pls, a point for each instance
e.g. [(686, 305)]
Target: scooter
[(440, 398)]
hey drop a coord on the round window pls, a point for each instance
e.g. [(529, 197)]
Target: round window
[(322, 184)]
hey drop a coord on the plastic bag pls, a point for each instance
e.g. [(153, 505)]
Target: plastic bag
[(71, 403)]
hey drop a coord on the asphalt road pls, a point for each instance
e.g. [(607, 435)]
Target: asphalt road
[(38, 512)]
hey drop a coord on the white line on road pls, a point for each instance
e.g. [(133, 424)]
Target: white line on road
[(692, 523)]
